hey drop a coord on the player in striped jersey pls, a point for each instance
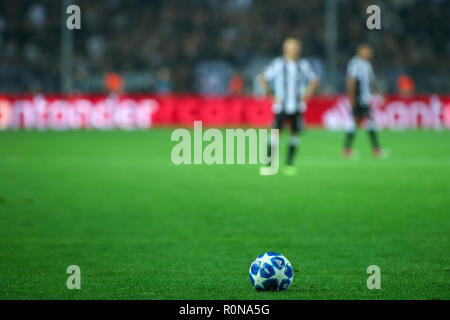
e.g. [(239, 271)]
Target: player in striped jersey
[(360, 78), (291, 82)]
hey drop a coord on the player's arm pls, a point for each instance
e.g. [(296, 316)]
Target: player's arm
[(351, 90), (376, 86), (310, 89), (266, 85), (312, 78), (267, 76)]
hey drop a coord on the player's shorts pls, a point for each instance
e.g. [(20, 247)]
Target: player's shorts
[(295, 120), (362, 111)]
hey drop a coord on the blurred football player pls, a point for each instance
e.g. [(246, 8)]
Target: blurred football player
[(360, 79), (291, 82)]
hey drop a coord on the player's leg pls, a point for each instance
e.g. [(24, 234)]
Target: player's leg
[(274, 137), (294, 140), (373, 136), (350, 134)]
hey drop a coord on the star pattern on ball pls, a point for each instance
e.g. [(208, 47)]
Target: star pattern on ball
[(271, 271)]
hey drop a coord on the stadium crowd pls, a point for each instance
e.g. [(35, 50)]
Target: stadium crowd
[(199, 45)]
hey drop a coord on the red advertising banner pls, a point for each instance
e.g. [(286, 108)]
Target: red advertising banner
[(146, 111)]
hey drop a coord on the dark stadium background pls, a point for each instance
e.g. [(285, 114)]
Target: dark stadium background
[(112, 202), (140, 39)]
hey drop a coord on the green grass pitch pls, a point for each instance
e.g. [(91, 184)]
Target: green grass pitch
[(140, 227)]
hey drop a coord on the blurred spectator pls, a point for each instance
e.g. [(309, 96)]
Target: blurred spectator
[(37, 16), (236, 85), (212, 77), (163, 84), (405, 86), (114, 83)]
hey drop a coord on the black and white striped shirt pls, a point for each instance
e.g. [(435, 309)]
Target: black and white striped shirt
[(289, 80), (362, 71)]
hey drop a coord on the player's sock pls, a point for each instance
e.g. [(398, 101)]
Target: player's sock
[(273, 144), (374, 139), (371, 130), (293, 144), (349, 139)]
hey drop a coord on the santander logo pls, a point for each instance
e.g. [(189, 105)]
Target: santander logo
[(394, 114), (62, 114), (338, 117), (144, 111), (5, 113)]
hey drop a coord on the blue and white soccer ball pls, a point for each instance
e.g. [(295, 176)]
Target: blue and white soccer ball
[(271, 271)]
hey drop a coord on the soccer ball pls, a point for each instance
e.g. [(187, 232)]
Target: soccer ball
[(271, 271)]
